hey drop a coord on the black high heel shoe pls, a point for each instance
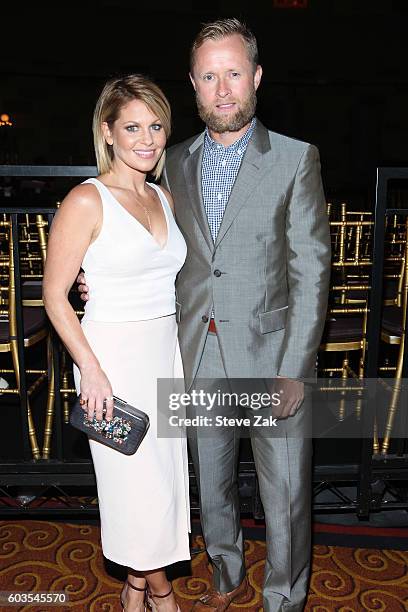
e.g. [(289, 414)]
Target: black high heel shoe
[(129, 584)]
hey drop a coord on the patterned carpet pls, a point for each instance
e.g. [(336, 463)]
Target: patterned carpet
[(46, 556)]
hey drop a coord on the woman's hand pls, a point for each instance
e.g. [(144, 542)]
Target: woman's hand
[(96, 393)]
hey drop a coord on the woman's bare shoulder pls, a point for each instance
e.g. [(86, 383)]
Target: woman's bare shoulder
[(84, 194), (81, 199)]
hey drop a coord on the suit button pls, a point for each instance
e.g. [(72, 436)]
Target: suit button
[(217, 273), (204, 319)]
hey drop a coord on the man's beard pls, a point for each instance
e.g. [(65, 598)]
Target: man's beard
[(234, 123)]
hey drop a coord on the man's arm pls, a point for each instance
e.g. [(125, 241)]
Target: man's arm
[(308, 263), (164, 181)]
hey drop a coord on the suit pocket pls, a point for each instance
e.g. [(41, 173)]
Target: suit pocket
[(272, 320), (178, 312)]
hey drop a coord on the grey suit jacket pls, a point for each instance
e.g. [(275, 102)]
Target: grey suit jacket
[(267, 275)]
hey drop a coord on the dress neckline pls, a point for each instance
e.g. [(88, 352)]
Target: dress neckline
[(139, 223)]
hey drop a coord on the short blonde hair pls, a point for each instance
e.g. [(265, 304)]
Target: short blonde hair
[(217, 30), (116, 93)]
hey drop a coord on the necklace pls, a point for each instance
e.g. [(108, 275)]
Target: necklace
[(147, 215)]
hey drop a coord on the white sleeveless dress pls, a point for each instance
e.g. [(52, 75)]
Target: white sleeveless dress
[(130, 324)]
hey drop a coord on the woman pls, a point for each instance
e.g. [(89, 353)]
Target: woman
[(121, 230)]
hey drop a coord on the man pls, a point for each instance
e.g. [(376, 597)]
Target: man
[(251, 207), (252, 295)]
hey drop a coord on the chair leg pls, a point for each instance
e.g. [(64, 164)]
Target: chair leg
[(65, 385), (392, 410), (376, 443), (31, 428), (344, 376), (361, 377), (49, 418)]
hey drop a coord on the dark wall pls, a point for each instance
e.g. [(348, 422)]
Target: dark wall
[(334, 74)]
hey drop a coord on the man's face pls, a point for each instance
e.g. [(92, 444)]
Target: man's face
[(225, 84)]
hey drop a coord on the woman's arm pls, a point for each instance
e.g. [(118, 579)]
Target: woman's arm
[(76, 224)]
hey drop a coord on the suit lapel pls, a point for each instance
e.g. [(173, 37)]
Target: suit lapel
[(192, 173), (247, 178)]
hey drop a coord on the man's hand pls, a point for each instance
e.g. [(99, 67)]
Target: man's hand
[(291, 393), (82, 287)]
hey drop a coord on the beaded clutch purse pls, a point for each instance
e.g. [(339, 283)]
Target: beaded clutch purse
[(124, 432)]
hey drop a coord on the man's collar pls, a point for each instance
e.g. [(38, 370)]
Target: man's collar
[(239, 146)]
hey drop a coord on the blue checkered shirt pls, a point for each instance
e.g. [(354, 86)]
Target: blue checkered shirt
[(218, 173)]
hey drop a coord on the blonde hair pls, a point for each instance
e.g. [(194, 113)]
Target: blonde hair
[(216, 30), (116, 93)]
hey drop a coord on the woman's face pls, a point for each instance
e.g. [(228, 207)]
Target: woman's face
[(137, 137)]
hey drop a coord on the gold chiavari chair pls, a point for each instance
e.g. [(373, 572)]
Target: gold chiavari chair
[(35, 329), (33, 234), (32, 298), (346, 323), (33, 250), (393, 278), (351, 236), (346, 326), (33, 237), (345, 334), (30, 259), (394, 321), (345, 330), (342, 352), (394, 257)]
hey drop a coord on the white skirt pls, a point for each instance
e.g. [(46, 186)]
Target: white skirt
[(143, 498)]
